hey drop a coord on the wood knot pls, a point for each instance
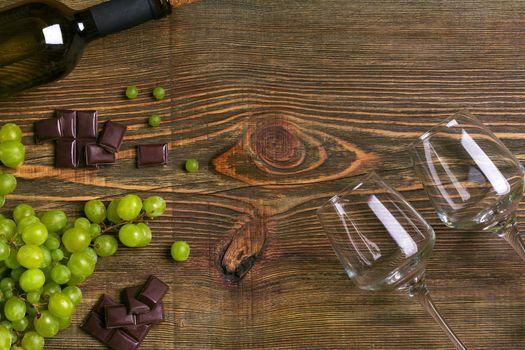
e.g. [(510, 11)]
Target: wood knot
[(278, 146)]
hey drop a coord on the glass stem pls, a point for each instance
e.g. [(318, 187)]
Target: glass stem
[(417, 290), (509, 232)]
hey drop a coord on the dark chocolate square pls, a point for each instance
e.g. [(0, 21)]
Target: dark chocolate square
[(87, 125), (129, 297), (121, 341), (154, 316), (96, 155), (81, 155), (154, 154), (153, 291), (102, 302), (68, 122), (138, 332), (94, 326), (48, 130), (66, 154), (112, 136), (117, 316)]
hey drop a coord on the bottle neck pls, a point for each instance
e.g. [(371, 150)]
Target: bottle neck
[(116, 15)]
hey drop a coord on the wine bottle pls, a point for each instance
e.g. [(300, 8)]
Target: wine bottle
[(41, 41)]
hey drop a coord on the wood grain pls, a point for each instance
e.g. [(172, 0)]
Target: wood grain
[(354, 83)]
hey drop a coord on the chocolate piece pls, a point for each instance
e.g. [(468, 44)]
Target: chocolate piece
[(112, 136), (121, 341), (153, 291), (48, 130), (117, 316), (154, 154), (95, 327), (66, 154), (69, 123), (103, 301), (155, 315), (134, 306), (96, 155), (137, 332), (81, 155), (87, 125)]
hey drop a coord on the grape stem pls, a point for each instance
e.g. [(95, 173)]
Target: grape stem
[(114, 227)]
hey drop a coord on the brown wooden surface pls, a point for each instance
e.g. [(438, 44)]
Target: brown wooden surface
[(349, 83)]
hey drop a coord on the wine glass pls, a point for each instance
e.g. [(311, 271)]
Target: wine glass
[(473, 180), (382, 241)]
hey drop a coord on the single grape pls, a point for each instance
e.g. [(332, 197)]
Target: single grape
[(33, 341), (112, 211), (76, 239), (46, 324), (180, 251), (8, 294), (159, 93), (132, 92), (129, 207), (7, 228), (64, 322), (7, 284), (34, 297), (47, 256), (60, 274), (76, 280), (60, 305), (82, 223), (146, 240), (95, 211), (92, 254), (10, 132), (14, 309), (49, 289), (21, 211), (5, 338), (53, 241), (12, 153), (81, 264), (57, 255), (130, 235), (54, 220), (6, 324), (94, 231), (105, 245), (4, 250), (74, 293), (11, 261), (35, 234), (154, 120), (21, 324), (16, 273), (30, 256), (32, 280), (7, 184), (154, 206), (26, 221), (192, 165)]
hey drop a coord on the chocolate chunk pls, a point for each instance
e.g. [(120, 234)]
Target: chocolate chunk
[(48, 130), (82, 156), (153, 291), (134, 306), (154, 154), (66, 154), (112, 136), (138, 332), (121, 341), (96, 155), (69, 123), (117, 316), (103, 301), (155, 315), (87, 125), (94, 326)]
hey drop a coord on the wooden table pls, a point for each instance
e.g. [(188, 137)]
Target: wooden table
[(346, 85)]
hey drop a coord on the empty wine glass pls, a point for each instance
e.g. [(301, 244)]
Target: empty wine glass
[(382, 241), (471, 178)]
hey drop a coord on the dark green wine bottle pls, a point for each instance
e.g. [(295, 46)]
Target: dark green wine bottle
[(41, 41)]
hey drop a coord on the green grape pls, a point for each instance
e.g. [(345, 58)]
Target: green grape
[(82, 223), (30, 256), (11, 261), (154, 206), (33, 341), (92, 254), (159, 93), (21, 211), (147, 234), (35, 234), (94, 231), (74, 293), (129, 207), (60, 305), (132, 92), (53, 241), (154, 120), (26, 221), (6, 324), (49, 289), (4, 250), (131, 235), (54, 220), (47, 257), (14, 309), (105, 245), (57, 255), (95, 211), (12, 153), (21, 324), (64, 322), (32, 280), (5, 338), (16, 347), (76, 280), (2, 201), (10, 132), (7, 284), (8, 294), (76, 239), (180, 251), (60, 274), (34, 297), (192, 165), (112, 211), (13, 337), (7, 184), (7, 228), (46, 324), (81, 264), (16, 273)]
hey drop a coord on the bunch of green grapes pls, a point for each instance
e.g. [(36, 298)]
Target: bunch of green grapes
[(43, 260)]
